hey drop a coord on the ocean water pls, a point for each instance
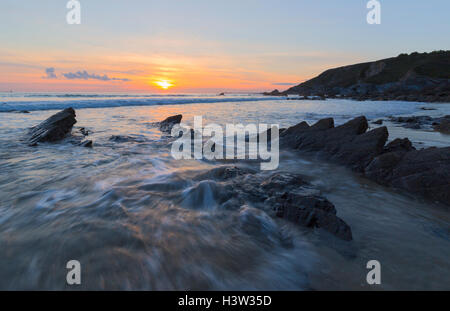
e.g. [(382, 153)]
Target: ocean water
[(136, 218)]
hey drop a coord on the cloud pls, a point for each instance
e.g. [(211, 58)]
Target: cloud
[(84, 75), (284, 83), (50, 73)]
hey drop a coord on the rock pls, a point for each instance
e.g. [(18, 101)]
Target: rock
[(224, 173), (347, 144), (398, 164), (425, 172), (443, 126), (414, 122), (312, 211), (221, 94), (84, 131), (167, 125), (125, 138), (379, 122), (280, 194), (295, 200), (280, 182), (399, 145), (273, 93), (54, 128), (86, 143)]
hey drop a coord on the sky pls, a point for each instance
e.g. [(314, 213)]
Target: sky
[(203, 46)]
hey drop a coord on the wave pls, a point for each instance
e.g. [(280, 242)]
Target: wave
[(109, 103)]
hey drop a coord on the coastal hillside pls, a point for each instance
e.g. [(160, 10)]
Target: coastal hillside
[(414, 77)]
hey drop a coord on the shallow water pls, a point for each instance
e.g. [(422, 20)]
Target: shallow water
[(138, 219)]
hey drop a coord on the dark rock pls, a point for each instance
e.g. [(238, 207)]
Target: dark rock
[(54, 128), (379, 122), (86, 143), (347, 144), (295, 200), (311, 210), (221, 94), (273, 93), (224, 173), (167, 125), (84, 131), (399, 145), (425, 172), (399, 164), (279, 182), (443, 126), (125, 138), (281, 194), (414, 122)]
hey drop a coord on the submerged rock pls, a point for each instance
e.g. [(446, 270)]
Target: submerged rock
[(54, 128), (167, 125)]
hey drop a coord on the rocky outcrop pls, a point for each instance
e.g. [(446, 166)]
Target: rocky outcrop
[(54, 128), (167, 125), (397, 164), (295, 200), (348, 144), (425, 172), (281, 195), (273, 93)]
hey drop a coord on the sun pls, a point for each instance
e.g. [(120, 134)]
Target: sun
[(164, 84)]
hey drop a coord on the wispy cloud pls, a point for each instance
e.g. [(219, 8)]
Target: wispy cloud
[(84, 75), (80, 75), (50, 73)]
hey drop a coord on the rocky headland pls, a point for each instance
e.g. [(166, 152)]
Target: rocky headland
[(420, 77)]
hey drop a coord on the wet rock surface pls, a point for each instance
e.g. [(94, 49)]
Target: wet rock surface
[(397, 164), (167, 124), (348, 144), (54, 128), (280, 194)]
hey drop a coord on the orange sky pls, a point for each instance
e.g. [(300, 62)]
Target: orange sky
[(202, 46), (183, 73)]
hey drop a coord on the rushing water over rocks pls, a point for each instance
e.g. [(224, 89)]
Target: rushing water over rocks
[(136, 218)]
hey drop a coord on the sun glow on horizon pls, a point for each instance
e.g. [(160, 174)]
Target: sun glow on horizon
[(164, 84)]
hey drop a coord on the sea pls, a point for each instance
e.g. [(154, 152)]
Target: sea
[(138, 219)]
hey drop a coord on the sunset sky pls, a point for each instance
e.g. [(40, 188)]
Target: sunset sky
[(203, 46)]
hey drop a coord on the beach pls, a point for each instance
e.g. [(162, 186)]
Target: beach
[(136, 218)]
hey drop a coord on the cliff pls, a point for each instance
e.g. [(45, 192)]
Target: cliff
[(413, 77)]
